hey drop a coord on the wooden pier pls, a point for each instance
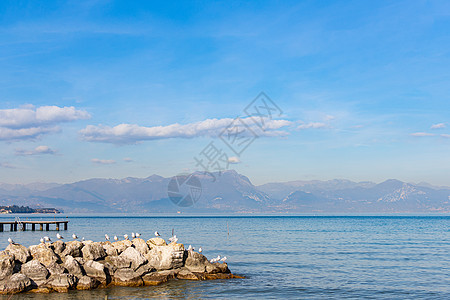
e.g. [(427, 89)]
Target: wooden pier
[(22, 225)]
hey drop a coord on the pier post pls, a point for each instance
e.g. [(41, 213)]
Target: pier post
[(24, 227), (1, 227), (15, 226), (12, 227), (65, 226), (33, 227), (47, 227), (41, 227)]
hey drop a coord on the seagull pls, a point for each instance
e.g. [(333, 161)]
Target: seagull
[(190, 248), (74, 236), (125, 236), (116, 238), (107, 237), (223, 259), (157, 233), (133, 235), (200, 250), (82, 239), (42, 241), (59, 236), (10, 241), (173, 239), (138, 234), (47, 239)]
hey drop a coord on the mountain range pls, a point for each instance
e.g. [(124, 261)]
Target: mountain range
[(228, 192)]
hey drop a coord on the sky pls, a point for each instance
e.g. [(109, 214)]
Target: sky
[(113, 89)]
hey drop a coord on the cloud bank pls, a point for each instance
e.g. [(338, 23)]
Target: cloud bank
[(36, 151), (438, 126), (30, 122), (103, 161), (132, 133)]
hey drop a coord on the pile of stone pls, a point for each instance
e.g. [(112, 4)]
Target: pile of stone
[(61, 266)]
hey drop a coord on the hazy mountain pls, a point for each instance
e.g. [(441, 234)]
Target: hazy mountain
[(229, 192)]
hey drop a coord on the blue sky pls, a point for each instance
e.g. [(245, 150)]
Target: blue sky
[(97, 88)]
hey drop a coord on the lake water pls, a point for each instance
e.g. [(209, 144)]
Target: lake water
[(286, 257)]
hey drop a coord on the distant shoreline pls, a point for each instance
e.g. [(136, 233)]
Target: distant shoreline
[(14, 209)]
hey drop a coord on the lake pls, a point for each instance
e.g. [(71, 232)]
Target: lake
[(284, 257)]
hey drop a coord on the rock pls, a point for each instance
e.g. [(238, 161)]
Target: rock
[(127, 277), (54, 268), (156, 241), (73, 266), (121, 246), (134, 256), (6, 265), (87, 242), (95, 269), (58, 247), (62, 282), (144, 269), (223, 268), (16, 283), (186, 275), (20, 253), (212, 268), (196, 262), (110, 269), (44, 254), (87, 283), (93, 251), (155, 278), (35, 271), (80, 260), (109, 249), (119, 262), (166, 257), (140, 245), (73, 248)]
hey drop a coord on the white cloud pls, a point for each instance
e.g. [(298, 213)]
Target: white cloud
[(7, 166), (36, 151), (103, 161), (29, 122), (127, 159), (132, 133), (444, 135), (312, 125), (422, 134), (234, 160), (438, 126)]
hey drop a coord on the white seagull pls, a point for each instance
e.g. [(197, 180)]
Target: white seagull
[(189, 248), (59, 236), (10, 241), (47, 239), (138, 234), (116, 238), (74, 236), (133, 235), (157, 233), (125, 236), (106, 237), (173, 239), (42, 241), (223, 259), (200, 250)]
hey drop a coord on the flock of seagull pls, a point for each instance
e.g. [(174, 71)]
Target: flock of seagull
[(172, 239)]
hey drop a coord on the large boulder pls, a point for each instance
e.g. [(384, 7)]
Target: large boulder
[(127, 277), (73, 248), (140, 245), (156, 241), (73, 266), (96, 270), (62, 282), (58, 247), (16, 283), (166, 257), (187, 275), (55, 268), (121, 246), (93, 251), (87, 283), (155, 278), (134, 256), (35, 271), (196, 262), (44, 254), (119, 262), (20, 253), (6, 264), (109, 249)]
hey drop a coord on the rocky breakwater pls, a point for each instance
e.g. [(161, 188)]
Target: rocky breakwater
[(60, 266)]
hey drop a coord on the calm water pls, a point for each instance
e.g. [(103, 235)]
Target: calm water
[(288, 257)]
